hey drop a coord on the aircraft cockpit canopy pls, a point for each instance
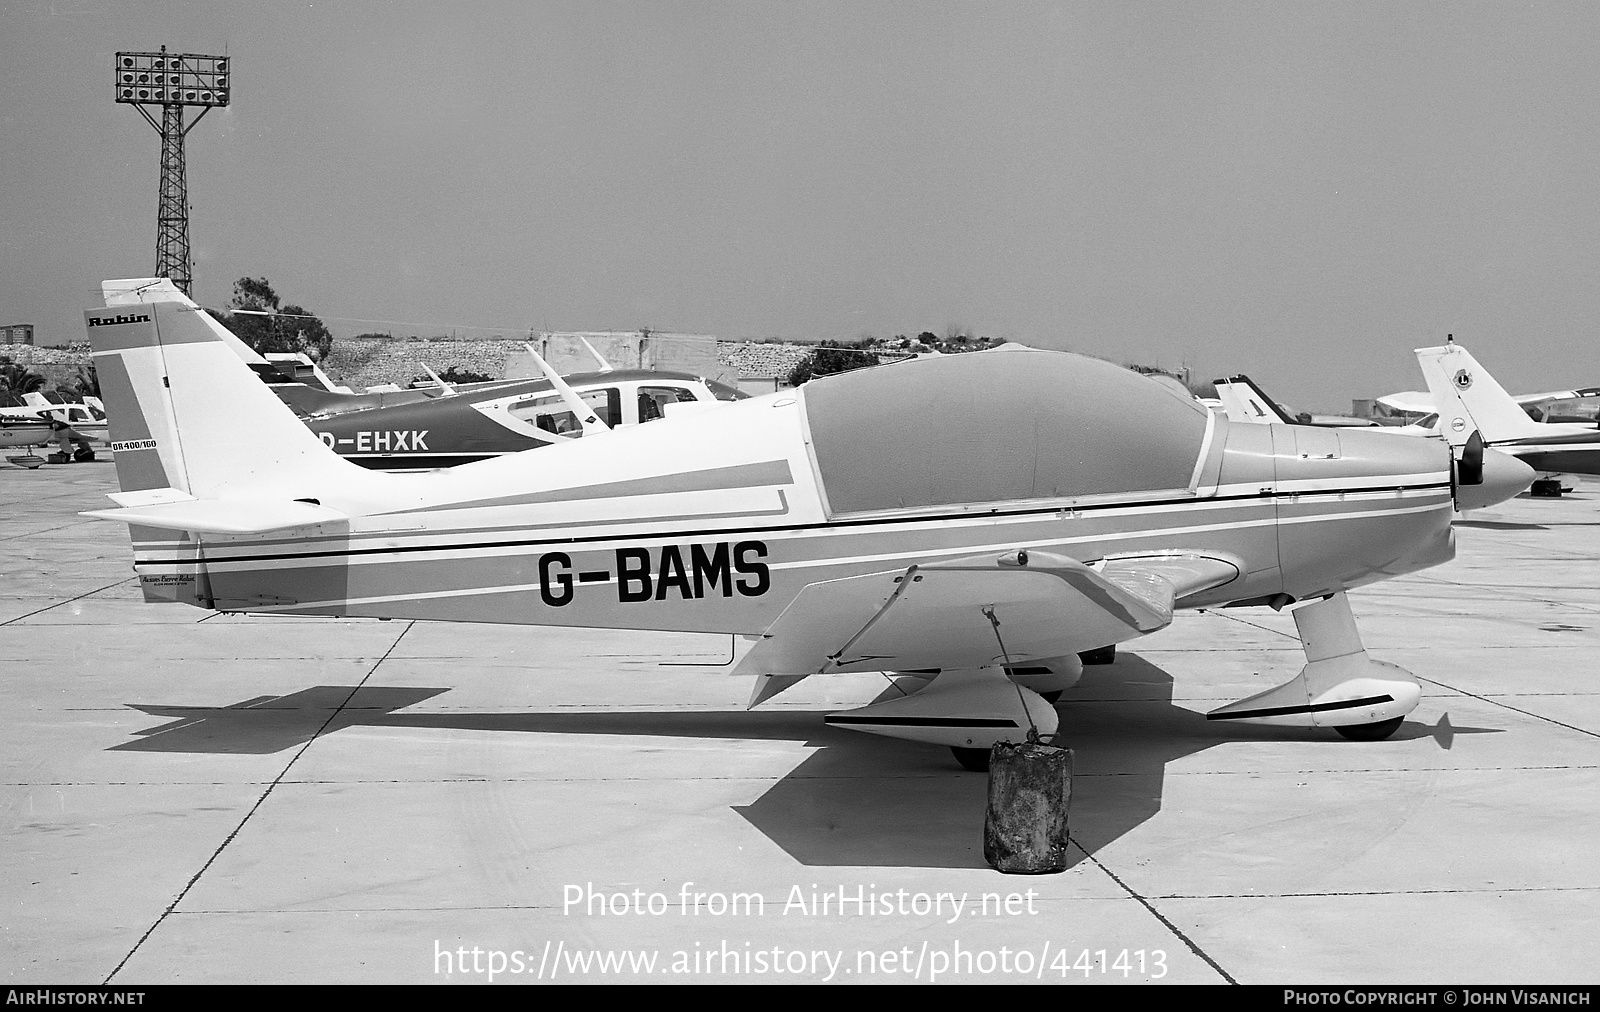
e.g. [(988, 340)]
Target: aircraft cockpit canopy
[(997, 426)]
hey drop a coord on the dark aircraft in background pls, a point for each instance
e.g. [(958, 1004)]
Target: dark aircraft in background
[(487, 421), (447, 425)]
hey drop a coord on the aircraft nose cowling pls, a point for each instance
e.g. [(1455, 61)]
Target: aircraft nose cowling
[(1503, 477)]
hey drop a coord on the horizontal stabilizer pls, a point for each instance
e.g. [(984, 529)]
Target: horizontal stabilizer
[(224, 516)]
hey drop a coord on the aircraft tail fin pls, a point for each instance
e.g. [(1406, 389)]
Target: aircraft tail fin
[(1245, 402), (138, 291), (187, 414), (1469, 399)]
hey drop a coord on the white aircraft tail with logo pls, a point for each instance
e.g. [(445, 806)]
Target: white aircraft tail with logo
[(1469, 399), (166, 360)]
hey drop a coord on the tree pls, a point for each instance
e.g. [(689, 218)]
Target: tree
[(17, 379), (85, 384), (457, 375), (258, 319), (829, 359)]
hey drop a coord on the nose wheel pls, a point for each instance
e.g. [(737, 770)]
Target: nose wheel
[(1370, 732)]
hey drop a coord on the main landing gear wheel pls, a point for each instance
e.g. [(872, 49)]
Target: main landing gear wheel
[(1370, 732), (83, 454), (1546, 488), (973, 759)]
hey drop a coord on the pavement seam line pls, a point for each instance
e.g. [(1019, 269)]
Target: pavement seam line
[(47, 530), (1253, 625), (1185, 939), (80, 597), (254, 808), (1513, 709)]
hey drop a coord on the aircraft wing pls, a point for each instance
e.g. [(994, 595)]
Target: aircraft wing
[(1412, 402), (957, 614)]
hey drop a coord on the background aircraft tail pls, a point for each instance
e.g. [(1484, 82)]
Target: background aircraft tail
[(1469, 399), (1245, 402), (166, 363)]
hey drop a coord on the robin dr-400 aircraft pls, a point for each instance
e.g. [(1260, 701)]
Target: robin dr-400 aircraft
[(977, 520)]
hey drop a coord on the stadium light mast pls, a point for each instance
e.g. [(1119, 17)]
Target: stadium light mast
[(173, 82)]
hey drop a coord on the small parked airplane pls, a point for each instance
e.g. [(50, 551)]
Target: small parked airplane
[(86, 418), (1469, 399), (40, 422), (1420, 402), (457, 424), (977, 520), (487, 421)]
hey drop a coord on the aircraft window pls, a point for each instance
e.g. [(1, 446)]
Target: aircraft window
[(1572, 409), (1429, 421), (550, 412), (653, 401)]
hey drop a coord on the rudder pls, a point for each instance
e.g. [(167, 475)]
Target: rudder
[(1469, 399)]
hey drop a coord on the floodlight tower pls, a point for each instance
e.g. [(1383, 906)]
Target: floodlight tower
[(172, 82)]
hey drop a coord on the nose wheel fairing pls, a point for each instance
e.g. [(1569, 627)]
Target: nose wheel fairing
[(1339, 687)]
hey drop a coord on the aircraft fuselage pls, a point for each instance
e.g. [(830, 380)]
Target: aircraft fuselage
[(726, 547)]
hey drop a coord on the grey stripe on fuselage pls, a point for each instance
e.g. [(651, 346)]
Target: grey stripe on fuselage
[(767, 472)]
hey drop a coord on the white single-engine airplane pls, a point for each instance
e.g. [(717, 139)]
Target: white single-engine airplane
[(1469, 400), (457, 424), (977, 519), (40, 422)]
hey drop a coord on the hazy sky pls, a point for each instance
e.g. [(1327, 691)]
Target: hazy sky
[(1303, 192)]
